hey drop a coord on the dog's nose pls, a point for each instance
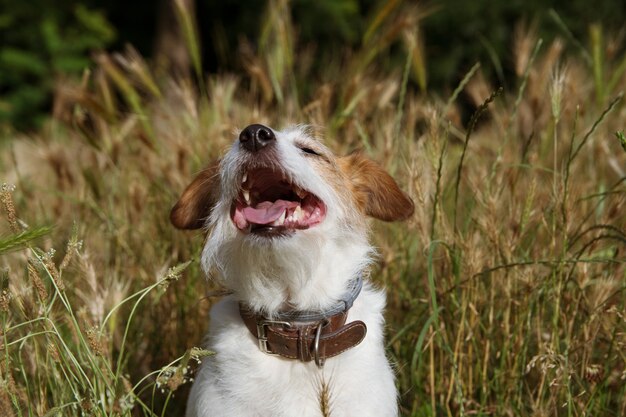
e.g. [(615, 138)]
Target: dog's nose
[(256, 137)]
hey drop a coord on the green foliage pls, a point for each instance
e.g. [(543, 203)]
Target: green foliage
[(461, 32), (19, 240), (622, 139), (344, 21), (42, 42)]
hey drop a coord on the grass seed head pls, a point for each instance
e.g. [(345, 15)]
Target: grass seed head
[(6, 199), (33, 274), (5, 299), (54, 352), (556, 91), (47, 259), (95, 341)]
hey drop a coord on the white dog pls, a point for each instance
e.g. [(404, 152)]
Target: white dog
[(302, 333)]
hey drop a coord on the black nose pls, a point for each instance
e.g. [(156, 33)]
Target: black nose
[(256, 137)]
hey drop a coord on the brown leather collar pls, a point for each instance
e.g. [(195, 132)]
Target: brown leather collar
[(305, 341)]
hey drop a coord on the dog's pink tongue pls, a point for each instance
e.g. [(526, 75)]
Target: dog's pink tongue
[(267, 212)]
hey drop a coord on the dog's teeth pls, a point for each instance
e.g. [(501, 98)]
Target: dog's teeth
[(246, 196), (281, 219), (297, 213), (244, 178)]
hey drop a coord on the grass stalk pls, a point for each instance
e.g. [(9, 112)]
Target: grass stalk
[(187, 23), (437, 196), (172, 275), (595, 125), (402, 96), (472, 124), (524, 81), (462, 84)]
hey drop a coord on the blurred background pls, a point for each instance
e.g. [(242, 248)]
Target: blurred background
[(43, 43)]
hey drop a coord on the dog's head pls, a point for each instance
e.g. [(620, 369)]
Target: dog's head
[(281, 199)]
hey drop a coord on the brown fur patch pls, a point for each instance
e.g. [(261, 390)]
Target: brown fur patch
[(375, 191), (197, 200)]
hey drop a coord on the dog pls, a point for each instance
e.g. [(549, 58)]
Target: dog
[(301, 335)]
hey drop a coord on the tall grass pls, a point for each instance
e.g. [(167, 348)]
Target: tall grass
[(506, 291)]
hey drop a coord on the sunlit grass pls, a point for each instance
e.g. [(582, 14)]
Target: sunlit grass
[(506, 290)]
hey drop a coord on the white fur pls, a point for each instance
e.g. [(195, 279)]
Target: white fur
[(307, 271)]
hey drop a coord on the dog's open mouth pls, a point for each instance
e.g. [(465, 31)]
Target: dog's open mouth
[(269, 204)]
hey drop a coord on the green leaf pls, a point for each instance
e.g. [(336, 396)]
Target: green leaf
[(71, 63), (51, 36), (6, 20), (622, 139), (95, 22), (19, 240), (18, 60)]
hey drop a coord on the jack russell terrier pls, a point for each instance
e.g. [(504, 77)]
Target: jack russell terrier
[(302, 333)]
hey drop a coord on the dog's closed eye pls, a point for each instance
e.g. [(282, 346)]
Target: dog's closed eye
[(308, 150)]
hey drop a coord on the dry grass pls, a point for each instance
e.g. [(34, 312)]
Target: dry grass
[(506, 290)]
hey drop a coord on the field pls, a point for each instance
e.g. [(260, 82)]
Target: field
[(506, 289)]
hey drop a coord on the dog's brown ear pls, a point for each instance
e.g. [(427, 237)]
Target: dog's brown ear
[(376, 192), (197, 200)]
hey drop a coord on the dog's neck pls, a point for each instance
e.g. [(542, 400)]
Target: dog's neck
[(302, 274)]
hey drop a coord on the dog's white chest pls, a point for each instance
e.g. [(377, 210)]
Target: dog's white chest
[(241, 381)]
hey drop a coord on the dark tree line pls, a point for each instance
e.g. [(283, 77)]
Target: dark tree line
[(42, 40)]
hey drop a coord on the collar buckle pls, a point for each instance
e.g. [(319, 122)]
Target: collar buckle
[(261, 329)]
